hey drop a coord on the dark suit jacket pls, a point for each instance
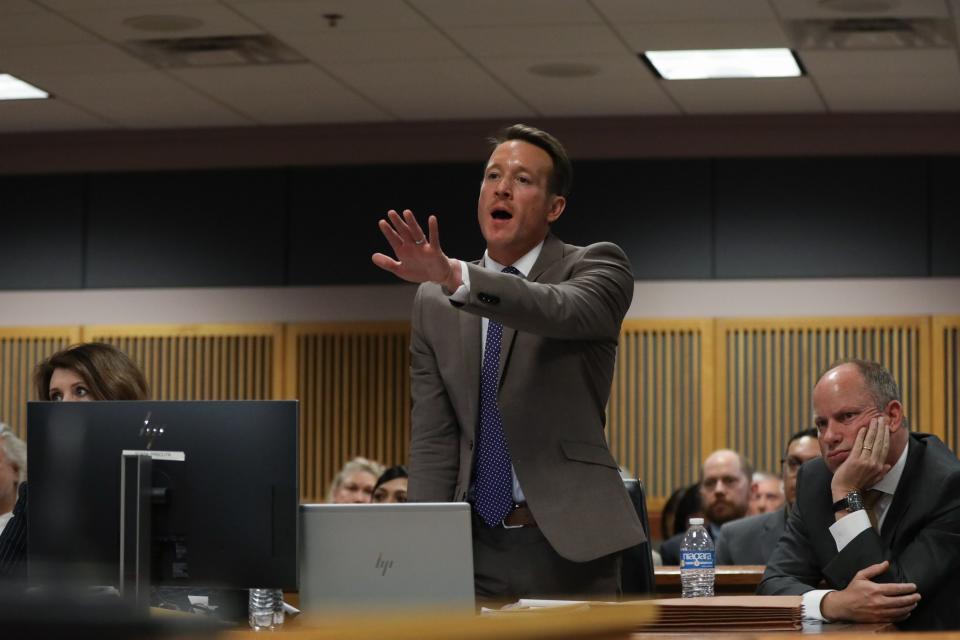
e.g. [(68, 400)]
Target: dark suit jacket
[(751, 540), (920, 536), (13, 542), (561, 329)]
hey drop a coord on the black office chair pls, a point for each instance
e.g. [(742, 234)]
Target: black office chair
[(636, 570)]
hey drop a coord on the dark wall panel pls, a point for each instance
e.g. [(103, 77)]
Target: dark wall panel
[(821, 217), (944, 217), (41, 237), (334, 214), (658, 211), (205, 228)]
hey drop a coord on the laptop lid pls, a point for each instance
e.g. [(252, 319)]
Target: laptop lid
[(413, 555)]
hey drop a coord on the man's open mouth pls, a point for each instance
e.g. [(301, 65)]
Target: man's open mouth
[(501, 214)]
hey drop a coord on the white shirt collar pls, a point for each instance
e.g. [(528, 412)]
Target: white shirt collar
[(888, 483), (524, 265)]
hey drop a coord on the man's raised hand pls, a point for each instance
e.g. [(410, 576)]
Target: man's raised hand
[(419, 257)]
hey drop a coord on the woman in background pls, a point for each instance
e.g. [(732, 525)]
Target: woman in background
[(354, 483), (83, 372), (391, 485)]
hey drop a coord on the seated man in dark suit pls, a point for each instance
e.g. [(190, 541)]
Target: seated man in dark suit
[(752, 540), (724, 494), (877, 518)]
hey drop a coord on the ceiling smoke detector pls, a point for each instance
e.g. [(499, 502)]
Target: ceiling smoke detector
[(214, 51), (872, 33)]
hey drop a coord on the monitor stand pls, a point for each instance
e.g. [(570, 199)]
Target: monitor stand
[(136, 489)]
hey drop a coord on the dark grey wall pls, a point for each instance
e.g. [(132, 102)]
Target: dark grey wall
[(676, 219)]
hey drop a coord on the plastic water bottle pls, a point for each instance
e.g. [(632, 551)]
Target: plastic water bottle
[(696, 561), (266, 609)]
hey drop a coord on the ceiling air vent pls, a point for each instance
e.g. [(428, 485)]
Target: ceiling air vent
[(215, 51), (872, 33)]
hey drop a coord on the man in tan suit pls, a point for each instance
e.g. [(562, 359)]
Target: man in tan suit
[(512, 362)]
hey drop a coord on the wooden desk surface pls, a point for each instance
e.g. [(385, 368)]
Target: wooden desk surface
[(730, 579)]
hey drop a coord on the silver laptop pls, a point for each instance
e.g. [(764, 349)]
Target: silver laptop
[(398, 556)]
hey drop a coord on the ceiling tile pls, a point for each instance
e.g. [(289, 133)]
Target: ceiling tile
[(703, 35), (480, 13), (794, 9), (921, 62), (215, 19), (40, 28), (307, 16), (45, 115), (624, 11), (10, 7), (622, 86), (83, 6), (369, 46), (69, 58), (432, 89), (286, 94), (891, 93), (145, 99), (751, 95), (544, 40)]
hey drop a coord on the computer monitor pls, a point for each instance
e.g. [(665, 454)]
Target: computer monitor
[(224, 516)]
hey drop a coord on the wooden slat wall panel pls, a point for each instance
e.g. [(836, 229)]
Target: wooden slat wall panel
[(202, 362), (353, 383), (769, 368), (21, 349), (661, 401), (946, 380)]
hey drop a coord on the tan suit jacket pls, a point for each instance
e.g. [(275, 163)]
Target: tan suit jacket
[(561, 329)]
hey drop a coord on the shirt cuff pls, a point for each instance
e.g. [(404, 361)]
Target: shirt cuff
[(849, 527), (463, 291), (811, 604)]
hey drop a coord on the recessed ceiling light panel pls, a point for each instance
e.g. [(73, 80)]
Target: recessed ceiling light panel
[(12, 88), (699, 64)]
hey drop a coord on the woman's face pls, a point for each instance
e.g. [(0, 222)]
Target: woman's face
[(393, 491), (355, 488), (66, 385)]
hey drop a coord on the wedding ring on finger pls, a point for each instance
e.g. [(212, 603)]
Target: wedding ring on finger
[(419, 242)]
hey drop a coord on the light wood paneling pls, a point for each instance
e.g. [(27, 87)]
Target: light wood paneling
[(353, 382), (661, 404), (202, 362), (768, 368), (21, 349), (946, 379)]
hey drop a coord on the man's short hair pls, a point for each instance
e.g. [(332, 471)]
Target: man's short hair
[(877, 379), (745, 467), (561, 178), (811, 432), (14, 450)]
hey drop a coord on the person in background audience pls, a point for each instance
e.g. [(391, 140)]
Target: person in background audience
[(752, 540), (877, 518), (83, 372), (766, 493), (391, 485), (724, 492), (686, 505), (13, 471), (355, 481)]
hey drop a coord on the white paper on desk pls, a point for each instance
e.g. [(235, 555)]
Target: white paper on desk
[(538, 603)]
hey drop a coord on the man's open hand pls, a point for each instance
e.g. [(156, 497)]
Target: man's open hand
[(419, 258)]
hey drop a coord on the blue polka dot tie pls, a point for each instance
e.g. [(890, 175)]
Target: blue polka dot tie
[(493, 479)]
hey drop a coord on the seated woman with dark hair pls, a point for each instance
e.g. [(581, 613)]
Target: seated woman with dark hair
[(391, 485), (83, 372)]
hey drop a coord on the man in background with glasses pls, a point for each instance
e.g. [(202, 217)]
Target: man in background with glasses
[(752, 540)]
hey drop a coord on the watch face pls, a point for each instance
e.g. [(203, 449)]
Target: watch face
[(854, 501)]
